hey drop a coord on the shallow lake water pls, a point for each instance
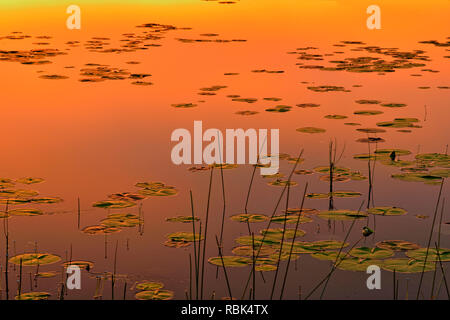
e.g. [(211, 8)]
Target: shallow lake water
[(93, 112)]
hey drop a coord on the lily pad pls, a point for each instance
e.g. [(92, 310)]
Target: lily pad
[(357, 264), (30, 180), (248, 251), (100, 229), (118, 220), (367, 112), (183, 219), (114, 204), (342, 215), (155, 295), (149, 286), (291, 219), (230, 261), (387, 211), (405, 265), (311, 130), (33, 296), (85, 265), (34, 259), (25, 212), (371, 253), (249, 217), (397, 245), (420, 254)]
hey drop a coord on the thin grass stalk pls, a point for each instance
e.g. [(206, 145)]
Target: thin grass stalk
[(253, 266), (273, 213), (114, 271), (224, 269), (429, 239), (20, 278), (6, 232), (206, 232), (439, 245), (293, 241), (190, 277), (195, 247), (337, 258), (79, 213), (442, 270), (282, 243), (393, 287), (125, 291)]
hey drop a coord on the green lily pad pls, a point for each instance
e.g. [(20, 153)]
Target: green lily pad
[(265, 267), (420, 254), (397, 245), (335, 117), (33, 296), (230, 261), (19, 193), (279, 108), (258, 241), (183, 219), (367, 112), (405, 265), (149, 286), (387, 152), (277, 233), (327, 255), (357, 264), (249, 217), (118, 220), (126, 196), (326, 169), (342, 215), (155, 295), (85, 265), (337, 194), (291, 219), (434, 159), (34, 259), (393, 105), (114, 204), (282, 183), (29, 180), (311, 130), (248, 251), (418, 177), (25, 212), (443, 173), (47, 200), (324, 245), (153, 189), (387, 211), (185, 236), (371, 253), (100, 229)]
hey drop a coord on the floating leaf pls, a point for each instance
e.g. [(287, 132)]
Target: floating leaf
[(291, 219), (25, 212), (419, 254), (34, 259), (249, 217), (118, 220), (371, 253), (404, 265), (100, 229), (310, 130), (282, 183), (367, 112), (183, 219), (356, 264), (342, 215), (30, 180), (86, 265), (33, 296), (230, 261), (149, 286), (397, 245), (278, 233), (387, 211), (114, 204), (155, 295), (248, 251)]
